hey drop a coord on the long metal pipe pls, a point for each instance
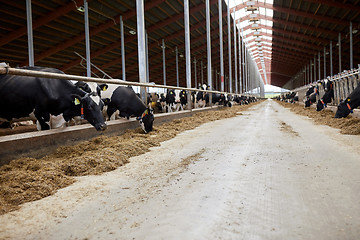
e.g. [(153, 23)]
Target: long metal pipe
[(351, 47), (187, 49), (30, 33), (122, 49), (229, 46), (141, 47), (310, 71), (235, 56), (24, 72), (243, 61), (202, 72), (87, 40), (164, 63), (221, 46), (208, 38), (147, 56), (314, 68)]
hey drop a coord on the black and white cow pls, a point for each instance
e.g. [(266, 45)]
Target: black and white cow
[(327, 97), (125, 100), (311, 94), (170, 100), (40, 98), (351, 102)]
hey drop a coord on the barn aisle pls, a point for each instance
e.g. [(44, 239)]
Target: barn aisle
[(265, 174)]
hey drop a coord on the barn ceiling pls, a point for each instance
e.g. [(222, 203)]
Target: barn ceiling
[(300, 30)]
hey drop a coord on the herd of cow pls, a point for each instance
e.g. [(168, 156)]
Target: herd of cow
[(344, 108), (53, 103)]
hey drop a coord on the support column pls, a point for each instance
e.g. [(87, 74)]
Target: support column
[(351, 48), (208, 38), (122, 49), (187, 49), (30, 33), (221, 47), (319, 65), (87, 40), (177, 67), (164, 61), (240, 64), (229, 47), (315, 69), (339, 42), (324, 62), (141, 47), (195, 71), (235, 56), (331, 60)]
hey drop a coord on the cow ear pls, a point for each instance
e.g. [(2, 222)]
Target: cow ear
[(348, 100), (103, 86), (76, 99)]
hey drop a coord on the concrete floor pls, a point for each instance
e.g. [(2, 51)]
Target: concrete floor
[(265, 174)]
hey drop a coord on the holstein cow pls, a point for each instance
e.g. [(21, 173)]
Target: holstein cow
[(328, 96), (351, 102), (125, 100), (311, 95), (40, 98), (170, 100)]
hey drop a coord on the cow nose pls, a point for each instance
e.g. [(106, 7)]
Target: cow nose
[(103, 126)]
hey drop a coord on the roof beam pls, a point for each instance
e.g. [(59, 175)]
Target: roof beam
[(41, 21)]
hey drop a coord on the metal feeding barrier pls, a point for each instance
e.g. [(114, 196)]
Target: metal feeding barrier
[(32, 73), (344, 84)]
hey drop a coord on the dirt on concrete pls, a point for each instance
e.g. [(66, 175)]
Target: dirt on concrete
[(29, 179), (349, 125)]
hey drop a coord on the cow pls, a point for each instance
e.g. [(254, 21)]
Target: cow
[(125, 100), (351, 102), (327, 97), (170, 100), (182, 99), (40, 98), (311, 94)]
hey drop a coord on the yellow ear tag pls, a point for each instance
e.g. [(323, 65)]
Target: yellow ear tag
[(104, 88), (171, 93), (77, 101), (348, 100)]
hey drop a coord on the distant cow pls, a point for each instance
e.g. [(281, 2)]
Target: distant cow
[(351, 102), (40, 98), (311, 94), (125, 100), (328, 96)]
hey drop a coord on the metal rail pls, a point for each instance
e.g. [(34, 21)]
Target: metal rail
[(32, 73)]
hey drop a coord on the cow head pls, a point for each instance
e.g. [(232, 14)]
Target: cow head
[(344, 109), (146, 120), (90, 110), (320, 105)]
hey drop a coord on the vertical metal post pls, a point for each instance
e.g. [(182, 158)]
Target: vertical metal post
[(164, 63), (30, 33), (351, 47), (141, 46), (240, 64), (216, 80), (208, 39), (324, 62), (122, 49), (306, 76), (187, 49), (339, 41), (243, 61), (177, 67), (235, 56), (314, 68), (221, 47), (147, 57), (331, 60), (202, 72), (87, 40), (229, 46), (246, 72), (195, 71), (319, 66), (310, 71)]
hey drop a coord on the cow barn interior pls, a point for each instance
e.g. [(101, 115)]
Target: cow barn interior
[(301, 30)]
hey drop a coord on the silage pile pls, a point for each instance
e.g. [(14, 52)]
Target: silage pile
[(349, 125), (30, 179)]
